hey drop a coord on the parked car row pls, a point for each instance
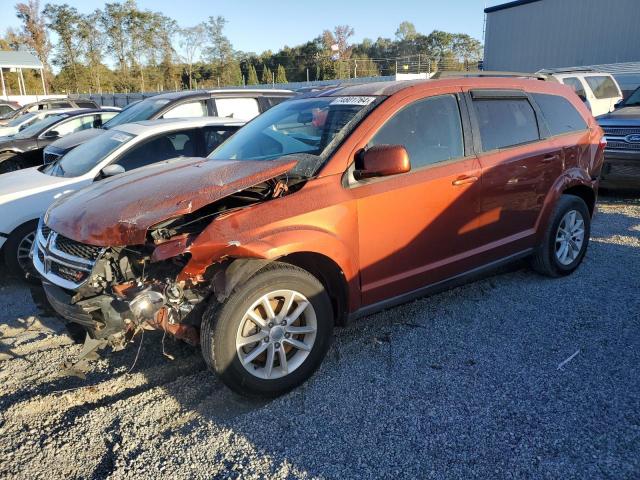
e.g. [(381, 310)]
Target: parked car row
[(329, 206)]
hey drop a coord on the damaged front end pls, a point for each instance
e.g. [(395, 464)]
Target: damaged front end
[(115, 291)]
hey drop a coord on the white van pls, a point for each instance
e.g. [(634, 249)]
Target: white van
[(598, 90)]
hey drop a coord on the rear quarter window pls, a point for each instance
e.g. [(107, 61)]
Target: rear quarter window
[(505, 122), (602, 87), (560, 115)]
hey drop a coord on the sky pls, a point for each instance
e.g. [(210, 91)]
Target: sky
[(256, 26)]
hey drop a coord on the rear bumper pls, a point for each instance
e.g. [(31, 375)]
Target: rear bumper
[(621, 170)]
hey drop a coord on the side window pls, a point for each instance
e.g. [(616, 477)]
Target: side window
[(190, 109), (85, 104), (505, 122), (59, 105), (273, 101), (74, 125), (5, 109), (164, 147), (237, 108), (214, 136), (560, 115), (577, 86), (602, 87), (103, 118), (430, 130)]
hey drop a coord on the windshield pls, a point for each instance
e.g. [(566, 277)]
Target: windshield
[(143, 110), (306, 127), (634, 99), (84, 157), (35, 128), (21, 119)]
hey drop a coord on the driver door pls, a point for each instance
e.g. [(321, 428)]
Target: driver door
[(419, 227)]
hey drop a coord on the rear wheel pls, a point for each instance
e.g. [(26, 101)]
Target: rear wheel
[(566, 238), (9, 162), (17, 251), (271, 333)]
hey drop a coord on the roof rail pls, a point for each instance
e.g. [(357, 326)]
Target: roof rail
[(549, 71), (488, 73)]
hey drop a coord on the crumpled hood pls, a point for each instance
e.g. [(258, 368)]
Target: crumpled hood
[(119, 211)]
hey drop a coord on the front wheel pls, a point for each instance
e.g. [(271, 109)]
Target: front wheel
[(271, 333), (565, 239), (17, 251)]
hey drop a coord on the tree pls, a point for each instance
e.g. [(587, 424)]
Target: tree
[(191, 41), (266, 75), (252, 75), (64, 20), (406, 31), (92, 42), (281, 75), (34, 31)]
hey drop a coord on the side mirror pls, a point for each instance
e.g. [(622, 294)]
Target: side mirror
[(382, 161), (22, 127), (618, 105), (111, 170), (52, 134)]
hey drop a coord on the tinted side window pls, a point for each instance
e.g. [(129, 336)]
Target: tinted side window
[(214, 136), (85, 104), (603, 87), (505, 122), (430, 130), (238, 108), (164, 147), (191, 109), (560, 115), (577, 86)]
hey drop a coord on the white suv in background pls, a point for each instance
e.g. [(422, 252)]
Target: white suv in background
[(598, 90), (26, 194)]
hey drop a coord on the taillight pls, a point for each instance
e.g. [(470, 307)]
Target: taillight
[(603, 143)]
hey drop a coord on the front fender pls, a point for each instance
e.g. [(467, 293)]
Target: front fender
[(272, 246)]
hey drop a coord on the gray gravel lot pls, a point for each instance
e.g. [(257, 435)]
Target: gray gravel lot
[(463, 384)]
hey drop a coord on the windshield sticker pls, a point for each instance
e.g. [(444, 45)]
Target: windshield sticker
[(120, 137), (353, 101)]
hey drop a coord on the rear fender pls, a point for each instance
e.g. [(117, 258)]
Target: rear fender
[(571, 178)]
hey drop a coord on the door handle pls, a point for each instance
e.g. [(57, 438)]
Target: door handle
[(550, 158), (464, 180)]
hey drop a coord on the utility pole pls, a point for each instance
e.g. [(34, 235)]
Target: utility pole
[(355, 69), (307, 75)]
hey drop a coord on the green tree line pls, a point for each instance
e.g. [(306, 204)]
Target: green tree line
[(123, 48)]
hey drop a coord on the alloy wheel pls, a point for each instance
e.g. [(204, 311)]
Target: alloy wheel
[(276, 334), (569, 237)]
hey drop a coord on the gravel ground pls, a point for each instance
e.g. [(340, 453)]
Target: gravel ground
[(462, 384)]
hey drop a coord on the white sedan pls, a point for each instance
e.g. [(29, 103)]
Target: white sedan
[(26, 194), (23, 121)]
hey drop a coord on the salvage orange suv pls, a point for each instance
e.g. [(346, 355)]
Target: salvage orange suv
[(327, 207)]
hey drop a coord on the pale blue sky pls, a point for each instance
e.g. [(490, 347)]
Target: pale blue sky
[(255, 26)]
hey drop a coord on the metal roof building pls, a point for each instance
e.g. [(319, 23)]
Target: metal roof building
[(15, 61), (528, 35)]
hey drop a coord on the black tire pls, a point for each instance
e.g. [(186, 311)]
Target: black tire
[(545, 260), (221, 322), (9, 163), (20, 268)]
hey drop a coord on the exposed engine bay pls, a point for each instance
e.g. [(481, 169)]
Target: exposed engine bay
[(127, 289)]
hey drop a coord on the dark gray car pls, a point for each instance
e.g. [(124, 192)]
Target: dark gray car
[(622, 155)]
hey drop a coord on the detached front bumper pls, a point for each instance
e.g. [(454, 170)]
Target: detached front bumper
[(102, 316), (621, 170)]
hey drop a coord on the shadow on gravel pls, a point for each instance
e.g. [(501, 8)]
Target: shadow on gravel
[(462, 384)]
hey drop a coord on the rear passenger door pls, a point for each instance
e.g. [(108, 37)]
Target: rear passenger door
[(517, 168)]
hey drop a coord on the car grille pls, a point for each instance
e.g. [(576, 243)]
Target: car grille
[(50, 157), (617, 138), (617, 145), (81, 250), (623, 170), (63, 261)]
